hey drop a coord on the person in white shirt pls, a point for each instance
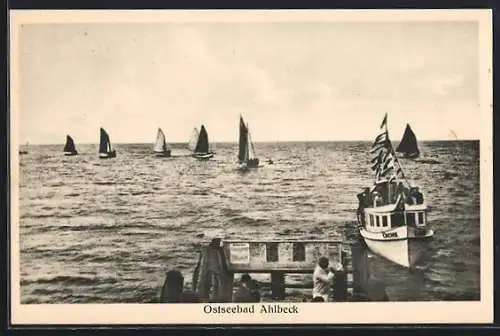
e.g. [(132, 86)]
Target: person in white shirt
[(323, 278)]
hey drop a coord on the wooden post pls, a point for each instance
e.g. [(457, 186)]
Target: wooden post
[(228, 287), (278, 285), (360, 269), (340, 286)]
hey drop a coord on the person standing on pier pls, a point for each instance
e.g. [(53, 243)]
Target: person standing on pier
[(322, 279)]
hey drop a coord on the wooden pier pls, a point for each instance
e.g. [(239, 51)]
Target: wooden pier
[(221, 260)]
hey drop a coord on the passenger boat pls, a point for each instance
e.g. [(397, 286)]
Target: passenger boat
[(392, 214)]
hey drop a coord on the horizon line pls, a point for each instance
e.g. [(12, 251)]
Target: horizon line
[(236, 142)]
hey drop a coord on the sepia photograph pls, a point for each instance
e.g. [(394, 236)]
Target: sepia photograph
[(269, 166)]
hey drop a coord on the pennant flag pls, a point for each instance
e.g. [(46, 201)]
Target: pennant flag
[(381, 137), (378, 147), (387, 169), (384, 122), (377, 158)]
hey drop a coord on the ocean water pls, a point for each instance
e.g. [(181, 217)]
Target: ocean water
[(106, 231)]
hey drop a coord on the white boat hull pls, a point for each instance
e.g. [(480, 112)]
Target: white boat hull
[(403, 245), (204, 156), (108, 155)]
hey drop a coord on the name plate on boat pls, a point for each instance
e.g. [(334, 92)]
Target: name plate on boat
[(239, 253)]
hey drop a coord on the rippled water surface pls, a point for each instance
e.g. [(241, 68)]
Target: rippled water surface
[(107, 230)]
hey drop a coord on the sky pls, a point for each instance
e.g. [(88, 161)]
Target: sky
[(291, 81)]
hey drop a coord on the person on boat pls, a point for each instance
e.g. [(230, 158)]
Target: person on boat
[(377, 200), (246, 292), (412, 199), (419, 197), (360, 213), (402, 190), (172, 288), (322, 279)]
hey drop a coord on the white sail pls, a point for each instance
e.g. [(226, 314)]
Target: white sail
[(161, 144), (193, 140), (250, 149)]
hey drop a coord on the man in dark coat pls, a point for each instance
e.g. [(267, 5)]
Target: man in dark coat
[(247, 291), (172, 288)]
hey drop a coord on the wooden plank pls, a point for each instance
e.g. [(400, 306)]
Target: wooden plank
[(307, 241)]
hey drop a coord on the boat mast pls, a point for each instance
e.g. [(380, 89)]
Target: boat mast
[(395, 159), (387, 158)]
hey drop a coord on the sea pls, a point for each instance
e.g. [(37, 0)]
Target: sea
[(107, 231)]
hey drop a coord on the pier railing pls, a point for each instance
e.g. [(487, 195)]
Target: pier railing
[(280, 257)]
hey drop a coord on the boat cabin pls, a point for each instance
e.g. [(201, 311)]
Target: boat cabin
[(387, 217)]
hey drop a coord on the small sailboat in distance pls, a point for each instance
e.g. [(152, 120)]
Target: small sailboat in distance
[(202, 148), (408, 147), (24, 151), (69, 147), (160, 148), (105, 150), (246, 153)]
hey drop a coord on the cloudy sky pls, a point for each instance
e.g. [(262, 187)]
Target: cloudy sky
[(291, 81)]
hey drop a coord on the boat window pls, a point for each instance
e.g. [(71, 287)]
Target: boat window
[(410, 218), (377, 220), (299, 252), (384, 220), (421, 218), (370, 220), (272, 252), (397, 219)]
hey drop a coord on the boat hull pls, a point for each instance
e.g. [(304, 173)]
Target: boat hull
[(203, 156), (70, 153), (253, 163), (408, 155), (108, 155), (404, 246), (166, 153)]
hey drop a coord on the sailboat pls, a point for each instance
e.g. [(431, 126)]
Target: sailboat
[(105, 150), (24, 151), (246, 153), (69, 147), (160, 147), (408, 147), (202, 148), (392, 214)]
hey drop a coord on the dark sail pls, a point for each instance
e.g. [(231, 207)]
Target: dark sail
[(202, 144), (104, 145), (408, 145), (70, 145), (242, 154)]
